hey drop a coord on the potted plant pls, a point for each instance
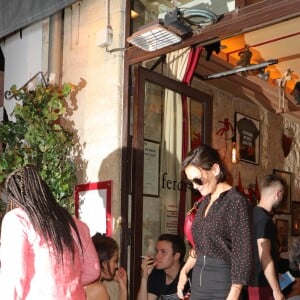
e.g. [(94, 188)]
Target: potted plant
[(37, 137)]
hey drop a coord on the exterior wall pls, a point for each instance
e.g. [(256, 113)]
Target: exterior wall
[(98, 113), (23, 58)]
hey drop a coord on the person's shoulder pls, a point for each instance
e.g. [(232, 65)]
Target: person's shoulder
[(237, 196), (81, 225), (16, 213), (96, 290)]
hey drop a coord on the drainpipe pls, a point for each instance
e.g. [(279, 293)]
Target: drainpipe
[(55, 55)]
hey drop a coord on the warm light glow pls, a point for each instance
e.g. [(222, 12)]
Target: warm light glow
[(233, 153), (133, 14)]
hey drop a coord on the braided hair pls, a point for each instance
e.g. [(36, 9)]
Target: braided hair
[(25, 188)]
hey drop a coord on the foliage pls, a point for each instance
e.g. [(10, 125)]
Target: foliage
[(37, 137)]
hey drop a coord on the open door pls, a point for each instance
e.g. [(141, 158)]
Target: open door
[(168, 116)]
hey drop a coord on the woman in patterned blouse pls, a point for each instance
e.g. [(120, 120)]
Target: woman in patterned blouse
[(222, 258)]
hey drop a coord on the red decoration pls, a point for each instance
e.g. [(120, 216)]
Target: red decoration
[(227, 127)]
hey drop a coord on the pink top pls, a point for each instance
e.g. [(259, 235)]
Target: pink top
[(30, 270)]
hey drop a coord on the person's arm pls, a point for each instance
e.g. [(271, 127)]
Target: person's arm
[(239, 221), (264, 252), (121, 278), (234, 292), (90, 267), (15, 259), (147, 267), (183, 277)]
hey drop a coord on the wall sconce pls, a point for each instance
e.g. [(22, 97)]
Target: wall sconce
[(234, 158)]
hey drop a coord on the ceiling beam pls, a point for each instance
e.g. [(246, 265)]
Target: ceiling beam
[(244, 19)]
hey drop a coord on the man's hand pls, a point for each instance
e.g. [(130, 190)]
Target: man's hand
[(147, 266), (278, 295)]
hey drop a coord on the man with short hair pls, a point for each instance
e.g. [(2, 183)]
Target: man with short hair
[(159, 274), (265, 284)]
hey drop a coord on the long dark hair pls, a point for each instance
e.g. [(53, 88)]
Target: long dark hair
[(106, 247), (26, 189)]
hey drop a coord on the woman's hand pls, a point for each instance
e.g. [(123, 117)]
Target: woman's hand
[(181, 284), (121, 278)]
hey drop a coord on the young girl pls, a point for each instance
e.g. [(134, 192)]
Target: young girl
[(112, 284)]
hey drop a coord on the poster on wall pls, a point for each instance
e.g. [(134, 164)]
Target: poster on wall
[(283, 231), (93, 206), (247, 137), (151, 168)]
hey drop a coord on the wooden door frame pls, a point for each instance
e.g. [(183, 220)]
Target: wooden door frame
[(142, 76)]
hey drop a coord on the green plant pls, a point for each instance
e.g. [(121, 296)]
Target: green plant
[(37, 137)]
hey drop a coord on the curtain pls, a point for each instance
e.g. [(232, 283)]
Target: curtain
[(172, 140), (16, 14), (193, 58)]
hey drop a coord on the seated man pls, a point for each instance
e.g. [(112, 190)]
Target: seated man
[(159, 274)]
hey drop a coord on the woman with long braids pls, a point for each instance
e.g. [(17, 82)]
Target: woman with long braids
[(45, 253)]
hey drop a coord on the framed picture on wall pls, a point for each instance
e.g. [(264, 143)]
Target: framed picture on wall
[(93, 206), (295, 218), (283, 227), (285, 205), (247, 133)]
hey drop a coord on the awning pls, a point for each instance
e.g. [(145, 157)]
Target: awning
[(17, 14)]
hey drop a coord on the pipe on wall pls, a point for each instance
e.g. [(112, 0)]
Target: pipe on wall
[(55, 55)]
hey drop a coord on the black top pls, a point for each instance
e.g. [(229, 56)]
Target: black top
[(157, 285), (226, 233), (264, 227)]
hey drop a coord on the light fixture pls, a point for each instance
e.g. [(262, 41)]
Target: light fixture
[(263, 75), (240, 69), (233, 151), (154, 37), (172, 29), (161, 33), (133, 14)]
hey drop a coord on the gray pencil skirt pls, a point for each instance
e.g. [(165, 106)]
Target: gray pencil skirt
[(211, 279)]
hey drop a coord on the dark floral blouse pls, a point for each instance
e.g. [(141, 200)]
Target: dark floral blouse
[(226, 233)]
